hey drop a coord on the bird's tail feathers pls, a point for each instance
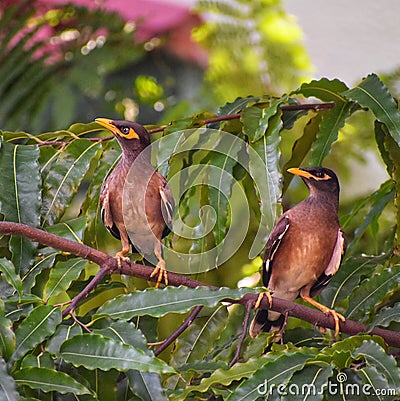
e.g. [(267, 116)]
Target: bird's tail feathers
[(262, 323)]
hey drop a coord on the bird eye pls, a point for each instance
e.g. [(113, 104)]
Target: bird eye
[(124, 130), (319, 174)]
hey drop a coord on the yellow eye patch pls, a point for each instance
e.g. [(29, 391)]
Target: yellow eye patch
[(128, 133)]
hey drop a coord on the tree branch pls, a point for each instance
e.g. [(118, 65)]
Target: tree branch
[(109, 264)]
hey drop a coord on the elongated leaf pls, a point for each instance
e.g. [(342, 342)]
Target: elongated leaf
[(46, 380), (332, 120), (301, 148), (8, 270), (8, 391), (200, 338), (225, 377), (309, 383), (65, 176), (377, 202), (271, 375), (159, 302), (372, 291), (390, 152), (352, 271), (90, 207), (44, 261), (126, 333), (147, 386), (20, 196), (385, 365), (7, 338), (386, 316), (40, 323), (62, 275), (255, 119), (72, 229), (94, 351), (372, 93), (237, 105), (264, 156), (62, 334)]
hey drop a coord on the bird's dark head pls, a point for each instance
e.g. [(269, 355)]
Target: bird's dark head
[(130, 135), (319, 180)]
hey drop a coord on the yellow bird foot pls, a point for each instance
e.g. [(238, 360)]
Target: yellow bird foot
[(120, 257), (337, 317), (162, 273), (261, 296)]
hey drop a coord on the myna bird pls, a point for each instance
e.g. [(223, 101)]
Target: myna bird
[(304, 249), (135, 200)]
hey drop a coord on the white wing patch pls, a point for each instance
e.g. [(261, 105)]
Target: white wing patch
[(337, 254)]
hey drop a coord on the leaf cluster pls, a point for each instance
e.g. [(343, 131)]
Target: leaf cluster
[(52, 181)]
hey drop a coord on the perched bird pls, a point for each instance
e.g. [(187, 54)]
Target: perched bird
[(304, 249), (135, 200)]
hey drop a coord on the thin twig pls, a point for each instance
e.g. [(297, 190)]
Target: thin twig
[(172, 337), (86, 291), (245, 327)]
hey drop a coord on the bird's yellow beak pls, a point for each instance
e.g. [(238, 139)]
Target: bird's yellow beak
[(107, 123), (305, 174), (301, 173)]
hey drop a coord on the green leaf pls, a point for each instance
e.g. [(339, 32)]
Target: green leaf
[(256, 119), (200, 338), (7, 337), (264, 169), (324, 89), (72, 229), (94, 351), (332, 120), (42, 262), (62, 334), (126, 333), (159, 302), (65, 176), (309, 382), (39, 324), (237, 105), (300, 148), (12, 278), (271, 375), (91, 207), (224, 377), (390, 152), (147, 386), (372, 93), (8, 391), (45, 379), (386, 316), (372, 291), (375, 356), (352, 271), (20, 196), (62, 275), (377, 203)]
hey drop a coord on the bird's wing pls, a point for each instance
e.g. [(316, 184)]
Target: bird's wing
[(274, 240), (106, 214), (167, 204), (333, 265)]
